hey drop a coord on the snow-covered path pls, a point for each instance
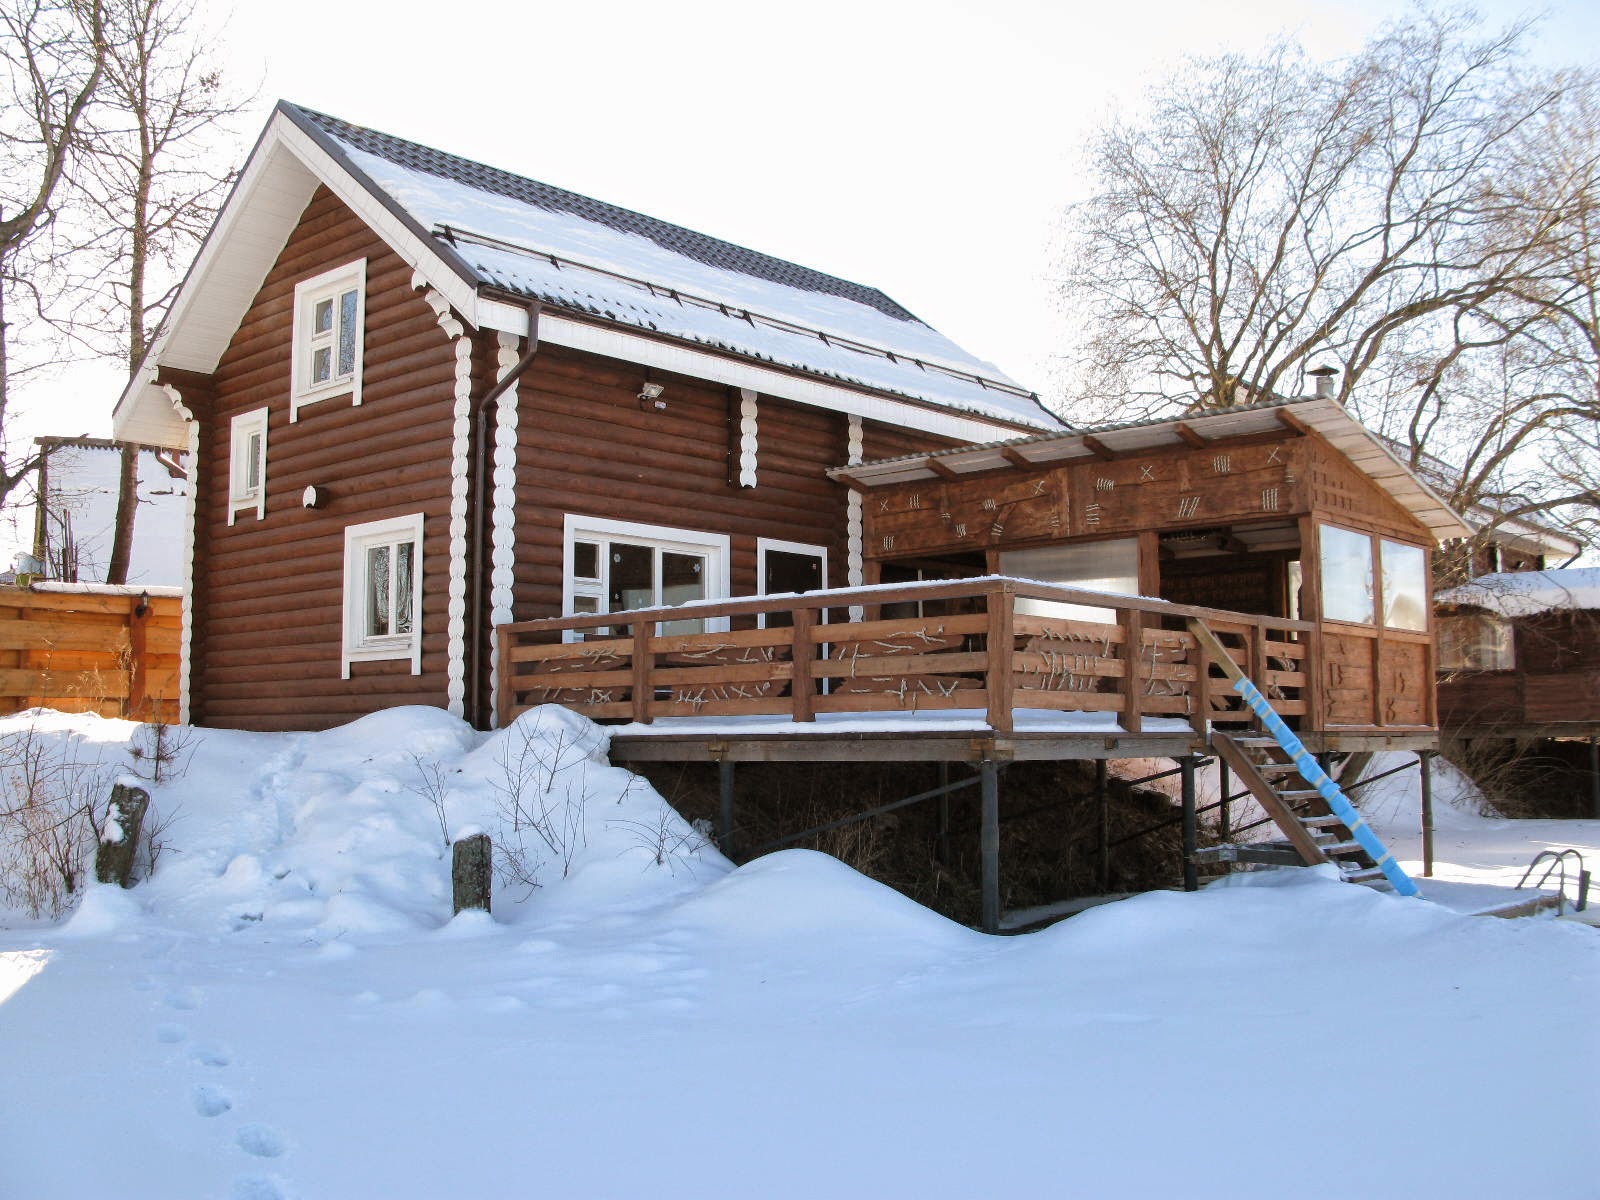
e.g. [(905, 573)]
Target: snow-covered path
[(788, 1029)]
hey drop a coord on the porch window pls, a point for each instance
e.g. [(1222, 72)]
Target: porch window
[(612, 566), (383, 592), (1347, 577), (1405, 585), (329, 315), (1110, 566), (1476, 642)]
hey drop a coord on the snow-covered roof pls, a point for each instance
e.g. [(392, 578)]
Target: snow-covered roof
[(492, 241), (1529, 593)]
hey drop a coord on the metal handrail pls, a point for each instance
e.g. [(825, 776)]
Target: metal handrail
[(1558, 862)]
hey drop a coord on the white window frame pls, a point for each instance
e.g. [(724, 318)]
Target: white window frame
[(241, 496), (330, 285), (578, 528), (763, 545), (358, 645)]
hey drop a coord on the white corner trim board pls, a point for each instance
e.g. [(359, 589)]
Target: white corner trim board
[(503, 538), (190, 514), (855, 544), (748, 446), (460, 452)]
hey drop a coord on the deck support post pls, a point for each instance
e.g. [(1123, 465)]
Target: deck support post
[(1594, 777), (989, 845), (1191, 825), (725, 807), (1103, 796), (1425, 770)]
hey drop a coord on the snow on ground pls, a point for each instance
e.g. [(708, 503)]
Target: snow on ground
[(285, 1009)]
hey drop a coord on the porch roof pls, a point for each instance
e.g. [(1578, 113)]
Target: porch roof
[(1321, 415)]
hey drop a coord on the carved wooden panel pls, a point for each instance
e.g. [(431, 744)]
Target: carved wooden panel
[(1340, 492)]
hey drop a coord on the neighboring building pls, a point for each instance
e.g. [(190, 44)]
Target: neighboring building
[(369, 504), (80, 483), (1519, 655)]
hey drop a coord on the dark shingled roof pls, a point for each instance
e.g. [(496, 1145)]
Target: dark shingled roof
[(708, 250)]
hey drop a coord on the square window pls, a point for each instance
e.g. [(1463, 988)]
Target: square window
[(614, 566), (382, 592), (247, 467), (329, 315)]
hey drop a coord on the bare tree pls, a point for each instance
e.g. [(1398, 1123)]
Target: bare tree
[(52, 66), (158, 164), (1406, 214)]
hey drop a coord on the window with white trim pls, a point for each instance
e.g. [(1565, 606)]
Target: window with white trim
[(247, 464), (383, 592), (329, 321), (611, 566), (788, 567)]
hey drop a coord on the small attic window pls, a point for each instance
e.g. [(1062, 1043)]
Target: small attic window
[(329, 321)]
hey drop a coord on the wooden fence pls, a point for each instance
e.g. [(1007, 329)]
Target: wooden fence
[(112, 651), (920, 647)]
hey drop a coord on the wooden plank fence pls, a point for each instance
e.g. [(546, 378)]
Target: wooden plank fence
[(112, 651)]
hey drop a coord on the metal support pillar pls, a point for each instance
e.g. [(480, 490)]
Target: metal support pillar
[(1191, 826), (1425, 771), (1104, 797), (941, 847), (725, 807), (1224, 804), (989, 846)]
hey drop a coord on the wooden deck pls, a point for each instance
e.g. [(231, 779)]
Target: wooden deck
[(959, 647)]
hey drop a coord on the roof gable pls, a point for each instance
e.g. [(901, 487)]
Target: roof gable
[(491, 242)]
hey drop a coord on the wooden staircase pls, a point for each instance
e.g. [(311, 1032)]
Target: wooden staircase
[(1313, 832), (1317, 819)]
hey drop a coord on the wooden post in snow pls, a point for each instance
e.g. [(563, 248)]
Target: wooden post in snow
[(113, 858), (471, 867)]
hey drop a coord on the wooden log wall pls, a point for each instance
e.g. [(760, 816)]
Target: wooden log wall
[(1554, 683), (269, 600), (586, 446), (79, 652)]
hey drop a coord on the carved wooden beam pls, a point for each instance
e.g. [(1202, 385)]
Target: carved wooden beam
[(1188, 434), (1016, 457), (939, 468)]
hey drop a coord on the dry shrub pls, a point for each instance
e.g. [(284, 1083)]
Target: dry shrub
[(1527, 778)]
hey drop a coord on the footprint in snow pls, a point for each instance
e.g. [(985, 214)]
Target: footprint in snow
[(211, 1055), (183, 999), (211, 1101), (263, 1141), (257, 1187), (171, 1033)]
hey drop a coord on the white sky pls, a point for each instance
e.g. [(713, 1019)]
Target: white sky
[(923, 148)]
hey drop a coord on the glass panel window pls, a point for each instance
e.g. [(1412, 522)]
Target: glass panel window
[(378, 592), (383, 573), (785, 571), (1110, 566), (247, 467), (1476, 642), (328, 320), (1405, 586), (585, 560), (633, 580), (1347, 583)]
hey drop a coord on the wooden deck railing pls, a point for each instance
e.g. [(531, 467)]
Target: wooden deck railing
[(919, 647)]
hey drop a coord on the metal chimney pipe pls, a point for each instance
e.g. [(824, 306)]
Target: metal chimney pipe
[(1324, 377)]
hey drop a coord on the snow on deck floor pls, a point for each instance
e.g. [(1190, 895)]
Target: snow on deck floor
[(285, 1010), (933, 721)]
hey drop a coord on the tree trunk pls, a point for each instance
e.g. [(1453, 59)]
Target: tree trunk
[(127, 503)]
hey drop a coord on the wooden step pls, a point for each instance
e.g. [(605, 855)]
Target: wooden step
[(1322, 822), (1366, 875), (1300, 794), (1342, 848)]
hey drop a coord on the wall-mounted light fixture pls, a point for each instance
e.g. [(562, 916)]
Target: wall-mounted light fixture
[(313, 497), (650, 397)]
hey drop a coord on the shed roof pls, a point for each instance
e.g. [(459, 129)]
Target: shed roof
[(1326, 416)]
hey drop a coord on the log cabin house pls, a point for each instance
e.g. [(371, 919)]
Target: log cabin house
[(449, 424), (427, 397)]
